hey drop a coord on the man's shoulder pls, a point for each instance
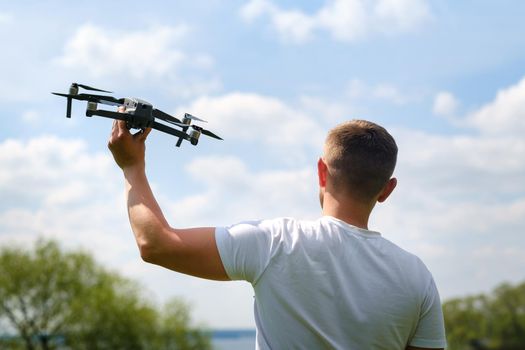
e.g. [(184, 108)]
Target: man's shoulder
[(402, 252), (411, 268), (281, 224), (381, 248)]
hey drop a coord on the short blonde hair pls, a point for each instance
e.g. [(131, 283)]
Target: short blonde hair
[(361, 157)]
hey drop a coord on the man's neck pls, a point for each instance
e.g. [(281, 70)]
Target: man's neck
[(349, 211)]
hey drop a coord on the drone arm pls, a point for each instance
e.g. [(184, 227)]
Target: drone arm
[(171, 131), (126, 117), (106, 114), (157, 113)]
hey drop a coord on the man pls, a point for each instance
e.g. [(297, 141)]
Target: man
[(324, 284)]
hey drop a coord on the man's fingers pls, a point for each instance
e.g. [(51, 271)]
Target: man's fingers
[(142, 134), (127, 148), (113, 134), (121, 125), (122, 129), (114, 129), (146, 133)]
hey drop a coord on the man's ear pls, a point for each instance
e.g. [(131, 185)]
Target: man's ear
[(387, 190), (322, 172)]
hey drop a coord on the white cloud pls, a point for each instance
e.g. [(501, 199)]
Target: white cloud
[(153, 52), (356, 89), (362, 91), (31, 116), (6, 18), (460, 201), (331, 111), (461, 164), (445, 104), (233, 193), (455, 195), (344, 20), (55, 188), (504, 115), (400, 15), (256, 8), (247, 116), (390, 93), (192, 87)]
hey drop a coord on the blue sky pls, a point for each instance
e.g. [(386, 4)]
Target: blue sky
[(446, 78)]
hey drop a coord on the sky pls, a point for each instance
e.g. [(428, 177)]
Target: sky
[(446, 78)]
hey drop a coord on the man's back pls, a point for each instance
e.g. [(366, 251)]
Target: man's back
[(327, 284)]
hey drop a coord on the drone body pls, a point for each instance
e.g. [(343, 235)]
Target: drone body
[(138, 114)]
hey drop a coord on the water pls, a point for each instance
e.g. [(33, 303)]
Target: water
[(243, 339), (237, 339)]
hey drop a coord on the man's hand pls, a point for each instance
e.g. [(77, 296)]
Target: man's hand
[(128, 149)]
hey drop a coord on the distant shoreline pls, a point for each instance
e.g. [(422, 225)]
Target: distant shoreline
[(232, 333), (233, 339)]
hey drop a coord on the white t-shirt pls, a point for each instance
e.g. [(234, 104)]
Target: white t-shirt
[(326, 284)]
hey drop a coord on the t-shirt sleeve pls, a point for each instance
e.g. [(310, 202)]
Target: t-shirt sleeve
[(430, 331), (245, 249)]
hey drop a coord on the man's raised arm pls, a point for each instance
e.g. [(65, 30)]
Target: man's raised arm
[(189, 251)]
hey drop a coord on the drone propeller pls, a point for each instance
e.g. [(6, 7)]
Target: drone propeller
[(196, 127), (206, 132), (86, 87), (109, 100), (178, 123), (192, 117)]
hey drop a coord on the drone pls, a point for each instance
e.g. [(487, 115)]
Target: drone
[(138, 114)]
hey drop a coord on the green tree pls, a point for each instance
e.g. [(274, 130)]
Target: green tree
[(51, 299), (113, 316), (37, 287), (466, 320), (495, 321), (174, 332), (507, 311)]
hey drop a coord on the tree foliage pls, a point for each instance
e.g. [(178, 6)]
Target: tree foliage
[(51, 299), (495, 321)]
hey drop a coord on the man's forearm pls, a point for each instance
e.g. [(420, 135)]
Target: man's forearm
[(147, 221)]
